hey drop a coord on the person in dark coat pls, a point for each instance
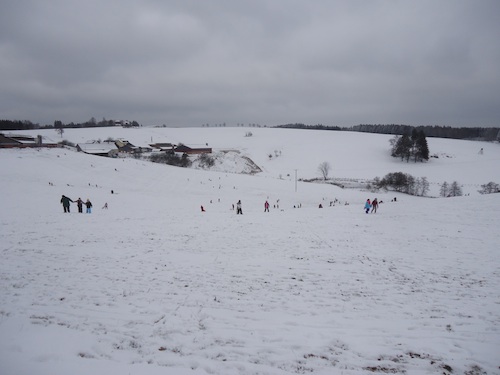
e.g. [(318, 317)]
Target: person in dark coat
[(65, 202), (79, 203), (238, 208), (89, 206)]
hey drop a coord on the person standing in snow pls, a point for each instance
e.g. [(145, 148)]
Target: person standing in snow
[(79, 203), (65, 202), (374, 206), (89, 206), (368, 205), (238, 208), (266, 206)]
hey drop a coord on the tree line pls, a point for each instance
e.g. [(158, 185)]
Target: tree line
[(482, 134), (312, 127), (27, 125), (408, 184), (17, 125)]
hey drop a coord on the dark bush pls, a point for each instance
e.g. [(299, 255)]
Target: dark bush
[(206, 161), (171, 159)]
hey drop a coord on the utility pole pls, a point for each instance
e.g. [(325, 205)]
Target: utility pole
[(295, 180)]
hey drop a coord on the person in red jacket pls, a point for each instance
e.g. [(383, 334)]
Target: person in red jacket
[(79, 203)]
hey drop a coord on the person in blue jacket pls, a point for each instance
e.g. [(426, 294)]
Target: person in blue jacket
[(368, 205), (89, 206)]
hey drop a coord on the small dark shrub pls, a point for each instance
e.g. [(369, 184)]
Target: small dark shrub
[(171, 159), (65, 142), (206, 161)]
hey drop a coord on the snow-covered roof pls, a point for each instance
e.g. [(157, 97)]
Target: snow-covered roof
[(96, 148), (12, 138)]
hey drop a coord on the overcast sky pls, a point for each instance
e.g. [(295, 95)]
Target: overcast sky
[(268, 62)]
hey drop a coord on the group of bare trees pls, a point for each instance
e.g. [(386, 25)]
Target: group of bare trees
[(450, 190), (455, 190), (403, 183)]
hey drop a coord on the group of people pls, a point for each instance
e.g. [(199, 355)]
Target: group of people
[(370, 206), (373, 205), (65, 201), (239, 210)]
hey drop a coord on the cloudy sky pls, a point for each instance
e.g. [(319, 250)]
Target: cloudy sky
[(268, 62)]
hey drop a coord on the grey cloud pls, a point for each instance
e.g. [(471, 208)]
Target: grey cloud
[(268, 62)]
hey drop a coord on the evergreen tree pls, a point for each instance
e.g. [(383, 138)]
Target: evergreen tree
[(402, 147), (414, 149), (394, 144), (421, 147), (406, 146)]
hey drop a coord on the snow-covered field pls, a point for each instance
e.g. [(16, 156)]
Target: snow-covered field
[(154, 286)]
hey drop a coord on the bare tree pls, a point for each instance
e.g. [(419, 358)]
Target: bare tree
[(455, 189), (324, 169), (424, 186), (58, 125), (444, 190)]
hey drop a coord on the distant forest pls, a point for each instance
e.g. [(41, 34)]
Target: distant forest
[(92, 123), (482, 134)]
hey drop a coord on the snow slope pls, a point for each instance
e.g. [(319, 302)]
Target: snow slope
[(352, 155), (154, 286)]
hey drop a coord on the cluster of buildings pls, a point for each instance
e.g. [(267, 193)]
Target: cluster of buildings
[(108, 148), (118, 148)]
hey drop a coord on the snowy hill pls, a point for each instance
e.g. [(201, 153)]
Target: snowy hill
[(152, 285), (355, 156)]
